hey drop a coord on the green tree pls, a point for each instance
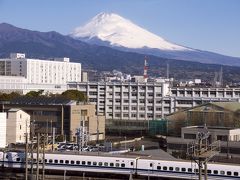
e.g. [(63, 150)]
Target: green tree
[(34, 93), (75, 95), (8, 97)]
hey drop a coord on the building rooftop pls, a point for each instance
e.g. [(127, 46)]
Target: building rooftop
[(41, 100), (231, 106), (14, 110)]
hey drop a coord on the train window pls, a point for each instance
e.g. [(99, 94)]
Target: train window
[(170, 168), (56, 161), (222, 172), (61, 161), (89, 163), (117, 165), (209, 171), (183, 169), (45, 160), (215, 172), (151, 164), (100, 163), (189, 170), (131, 163), (66, 161), (235, 173), (177, 169), (50, 160), (77, 162), (17, 159), (158, 167), (229, 173), (122, 165), (83, 162), (94, 163), (111, 164), (105, 164), (72, 162), (196, 170), (165, 168)]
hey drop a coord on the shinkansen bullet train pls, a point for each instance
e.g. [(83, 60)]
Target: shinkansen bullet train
[(142, 166)]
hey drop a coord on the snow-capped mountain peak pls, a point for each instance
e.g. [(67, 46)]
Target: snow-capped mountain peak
[(120, 32)]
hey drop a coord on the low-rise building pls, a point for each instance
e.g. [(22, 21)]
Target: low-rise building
[(62, 114), (215, 133), (18, 125), (217, 114)]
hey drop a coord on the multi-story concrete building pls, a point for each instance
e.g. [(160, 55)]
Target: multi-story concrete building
[(36, 71), (190, 97), (3, 129), (18, 125), (135, 102), (20, 85)]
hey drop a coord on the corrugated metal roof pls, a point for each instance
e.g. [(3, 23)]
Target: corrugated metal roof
[(231, 106)]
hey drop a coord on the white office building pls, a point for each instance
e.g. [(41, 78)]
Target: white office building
[(18, 124), (147, 101), (3, 129), (130, 101), (36, 71)]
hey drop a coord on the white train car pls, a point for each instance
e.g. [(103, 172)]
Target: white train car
[(122, 165)]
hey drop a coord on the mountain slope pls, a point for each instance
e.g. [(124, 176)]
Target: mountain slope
[(114, 31), (52, 44), (123, 33)]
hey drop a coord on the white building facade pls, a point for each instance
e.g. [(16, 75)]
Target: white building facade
[(36, 71), (129, 101), (3, 129), (18, 124), (148, 101)]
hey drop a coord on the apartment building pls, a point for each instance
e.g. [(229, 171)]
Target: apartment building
[(129, 101), (58, 71)]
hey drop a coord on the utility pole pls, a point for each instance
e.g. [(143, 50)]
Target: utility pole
[(43, 159), (201, 151), (26, 158), (26, 153), (32, 136), (37, 173), (97, 129)]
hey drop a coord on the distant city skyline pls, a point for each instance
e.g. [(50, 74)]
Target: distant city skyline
[(205, 25)]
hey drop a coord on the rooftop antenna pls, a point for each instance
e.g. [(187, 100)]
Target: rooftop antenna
[(145, 76)]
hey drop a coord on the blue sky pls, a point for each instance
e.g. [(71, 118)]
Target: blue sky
[(212, 25)]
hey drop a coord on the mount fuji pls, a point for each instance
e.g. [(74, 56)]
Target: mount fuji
[(112, 30)]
